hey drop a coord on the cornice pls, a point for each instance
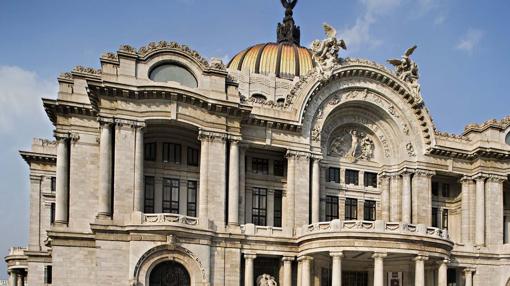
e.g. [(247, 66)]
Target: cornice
[(59, 107), (491, 123), (31, 157), (478, 153)]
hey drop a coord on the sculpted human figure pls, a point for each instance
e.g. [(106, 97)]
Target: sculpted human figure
[(325, 52), (266, 280), (406, 69)]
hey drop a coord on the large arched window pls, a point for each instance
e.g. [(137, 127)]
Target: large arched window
[(507, 140), (169, 273), (173, 72)]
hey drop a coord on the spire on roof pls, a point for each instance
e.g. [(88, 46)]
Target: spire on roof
[(288, 31)]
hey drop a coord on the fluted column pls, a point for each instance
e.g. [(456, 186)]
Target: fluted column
[(62, 196), (442, 272), (315, 190), (105, 171), (287, 270), (233, 183), (385, 196), (290, 198), (306, 270), (336, 278), (396, 198), (406, 197), (202, 193), (248, 269), (480, 211), (139, 170), (468, 276), (299, 272), (494, 209), (379, 268), (465, 232), (419, 272)]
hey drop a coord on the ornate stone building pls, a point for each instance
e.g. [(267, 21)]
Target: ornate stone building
[(288, 165)]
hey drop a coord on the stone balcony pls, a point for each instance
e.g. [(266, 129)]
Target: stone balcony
[(169, 219)]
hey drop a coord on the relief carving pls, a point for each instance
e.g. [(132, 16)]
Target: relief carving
[(353, 145)]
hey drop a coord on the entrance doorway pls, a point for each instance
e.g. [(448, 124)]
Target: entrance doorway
[(169, 273), (350, 278)]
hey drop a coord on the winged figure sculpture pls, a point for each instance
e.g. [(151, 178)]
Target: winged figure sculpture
[(406, 69)]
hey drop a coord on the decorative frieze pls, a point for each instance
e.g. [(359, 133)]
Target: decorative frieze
[(211, 136)]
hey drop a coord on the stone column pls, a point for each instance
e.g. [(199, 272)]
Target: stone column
[(396, 198), (288, 213), (287, 270), (379, 268), (494, 209), (442, 272), (139, 172), (422, 197), (248, 269), (406, 197), (480, 211), (12, 278), (419, 272), (233, 183), (306, 270), (299, 272), (105, 172), (242, 184), (62, 196), (384, 183), (336, 278), (19, 279), (468, 276), (465, 232), (202, 194), (315, 190)]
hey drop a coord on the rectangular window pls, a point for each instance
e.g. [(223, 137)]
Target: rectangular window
[(370, 179), (334, 175), (192, 156), (435, 189), (148, 206), (445, 190), (192, 199), (150, 151), (260, 166), (53, 184), (52, 213), (351, 209), (170, 196), (331, 208), (369, 211), (48, 274), (259, 206), (445, 219), (171, 153), (278, 208), (279, 168), (435, 223), (351, 177)]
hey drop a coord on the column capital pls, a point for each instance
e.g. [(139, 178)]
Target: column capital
[(336, 254), (406, 172), (123, 122), (297, 154), (480, 177), (316, 157), (494, 178), (305, 258), (424, 173), (35, 178), (250, 256), (234, 139), (205, 135), (421, 258), (469, 270), (105, 121), (444, 261), (379, 255), (288, 258), (466, 179)]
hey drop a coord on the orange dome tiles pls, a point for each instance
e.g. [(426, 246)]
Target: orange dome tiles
[(283, 60)]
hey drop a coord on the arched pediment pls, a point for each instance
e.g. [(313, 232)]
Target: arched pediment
[(370, 84)]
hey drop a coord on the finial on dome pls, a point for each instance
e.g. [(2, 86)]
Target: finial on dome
[(288, 32)]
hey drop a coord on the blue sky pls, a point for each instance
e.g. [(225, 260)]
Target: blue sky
[(462, 46)]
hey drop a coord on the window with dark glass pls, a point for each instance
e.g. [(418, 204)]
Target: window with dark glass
[(435, 188), (192, 156), (334, 175), (278, 167), (445, 190), (172, 153), (150, 151), (445, 219), (370, 179), (192, 199), (148, 205), (369, 210), (48, 274), (351, 209), (277, 208), (451, 277), (170, 196), (435, 223), (351, 177), (173, 72), (260, 166), (52, 213), (331, 208), (326, 279), (259, 206), (53, 184)]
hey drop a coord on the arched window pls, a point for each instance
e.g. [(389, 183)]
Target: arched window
[(258, 97), (507, 140), (169, 273), (173, 72)]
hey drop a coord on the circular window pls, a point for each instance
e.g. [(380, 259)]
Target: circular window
[(173, 72), (507, 140)]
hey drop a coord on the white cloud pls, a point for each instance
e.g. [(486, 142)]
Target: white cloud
[(470, 40), (20, 96)]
